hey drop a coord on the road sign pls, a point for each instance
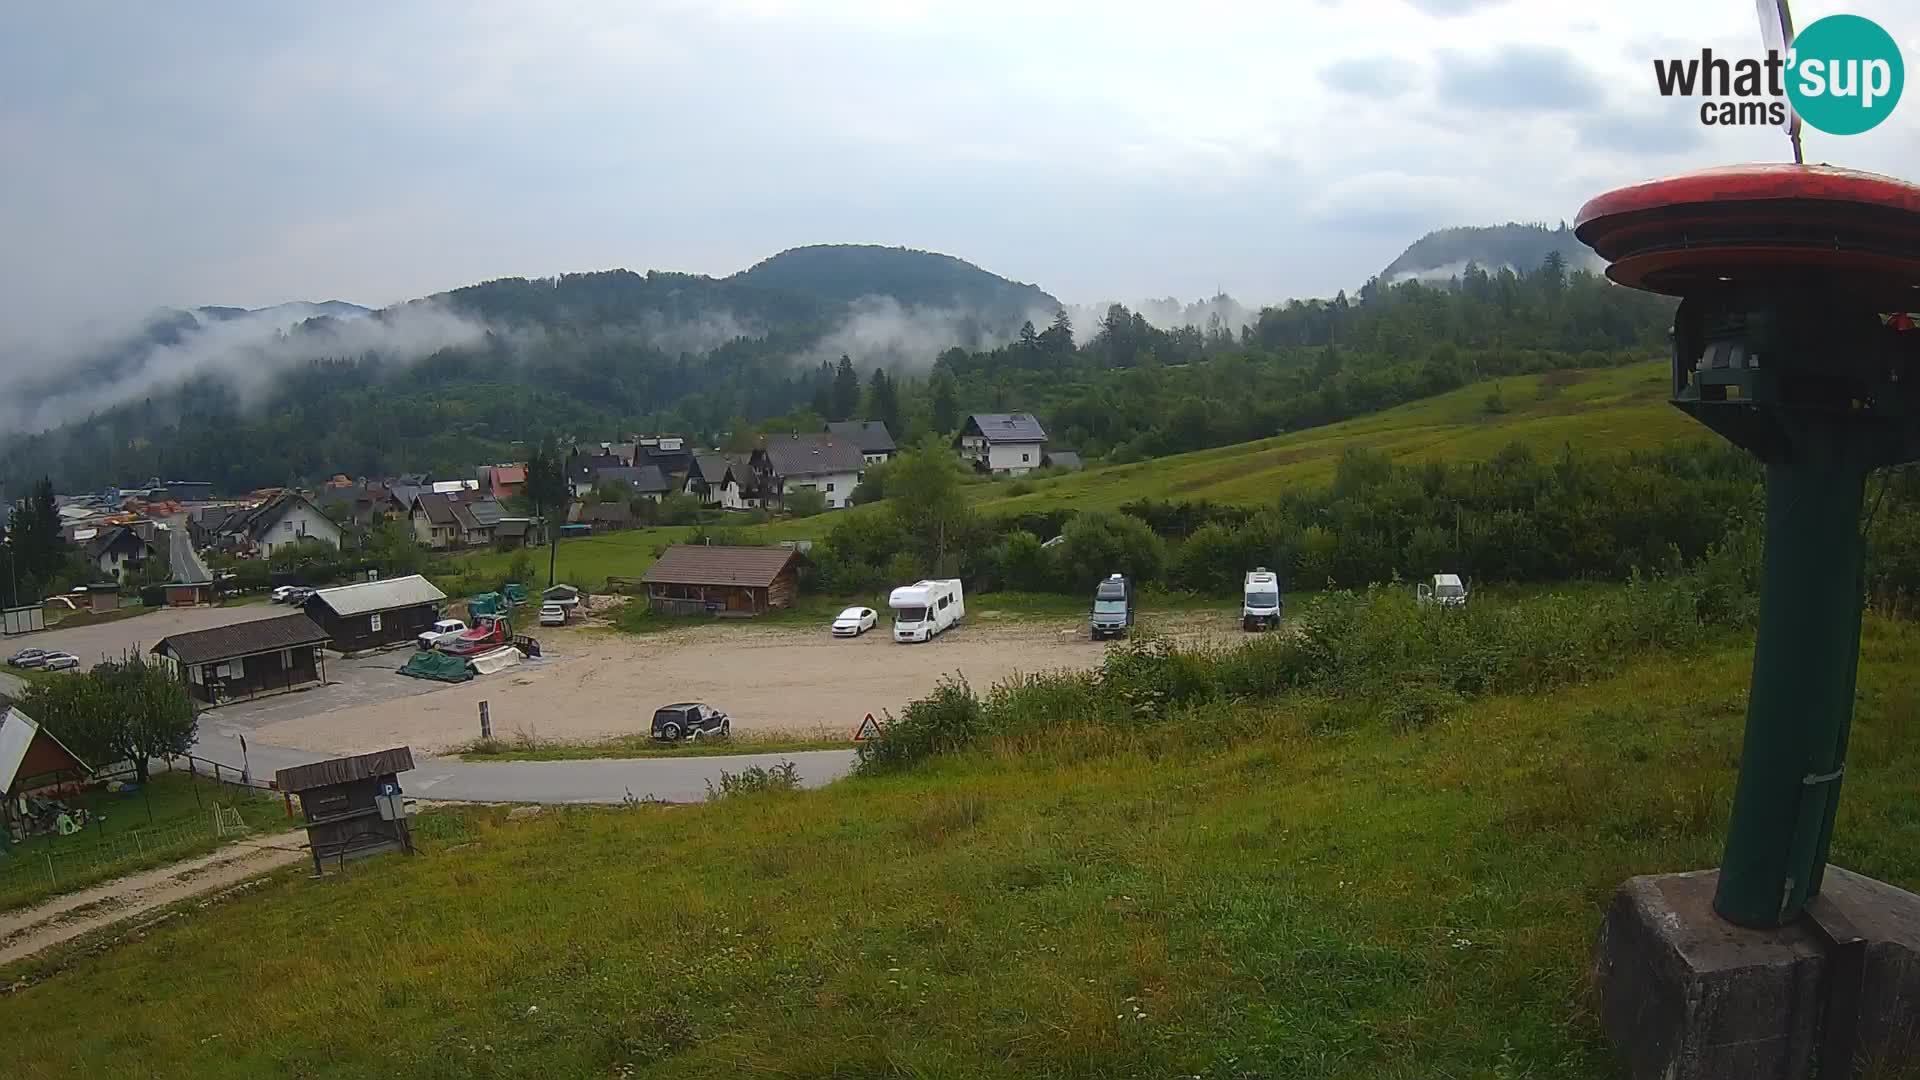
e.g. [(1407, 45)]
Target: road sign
[(869, 729)]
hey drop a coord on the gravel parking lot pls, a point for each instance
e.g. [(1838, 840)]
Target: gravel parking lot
[(136, 633), (770, 679)]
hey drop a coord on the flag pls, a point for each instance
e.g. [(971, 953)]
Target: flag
[(1776, 30)]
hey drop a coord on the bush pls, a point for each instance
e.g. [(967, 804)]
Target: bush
[(755, 780), (679, 509), (1096, 544), (944, 722), (805, 502)]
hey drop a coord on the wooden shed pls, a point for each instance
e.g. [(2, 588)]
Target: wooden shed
[(376, 614), (30, 759), (353, 805), (693, 578), (247, 660)]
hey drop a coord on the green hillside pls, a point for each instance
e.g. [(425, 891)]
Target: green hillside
[(1606, 409)]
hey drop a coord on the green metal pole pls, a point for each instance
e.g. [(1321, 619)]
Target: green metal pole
[(1801, 703)]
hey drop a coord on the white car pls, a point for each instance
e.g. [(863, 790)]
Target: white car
[(552, 614), (444, 630), (855, 621), (60, 661), (282, 594)]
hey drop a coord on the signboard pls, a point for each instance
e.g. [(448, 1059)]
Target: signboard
[(869, 729)]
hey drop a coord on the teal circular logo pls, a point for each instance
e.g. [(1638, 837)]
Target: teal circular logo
[(1845, 74)]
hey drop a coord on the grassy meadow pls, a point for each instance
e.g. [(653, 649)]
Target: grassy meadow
[(1319, 893)]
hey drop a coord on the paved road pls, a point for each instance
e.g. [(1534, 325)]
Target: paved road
[(607, 780)]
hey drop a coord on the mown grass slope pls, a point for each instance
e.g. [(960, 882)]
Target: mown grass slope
[(1620, 408), (1328, 898), (1612, 408)]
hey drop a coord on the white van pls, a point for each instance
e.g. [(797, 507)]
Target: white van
[(1260, 600), (925, 608), (1445, 590)]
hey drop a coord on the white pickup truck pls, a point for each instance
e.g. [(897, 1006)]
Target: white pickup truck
[(444, 630)]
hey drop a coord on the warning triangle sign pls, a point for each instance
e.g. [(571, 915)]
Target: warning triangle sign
[(869, 729)]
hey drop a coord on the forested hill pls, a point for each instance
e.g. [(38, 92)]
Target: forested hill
[(848, 272), (602, 355), (1446, 252)]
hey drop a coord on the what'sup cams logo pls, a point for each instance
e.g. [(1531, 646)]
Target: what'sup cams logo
[(1842, 75)]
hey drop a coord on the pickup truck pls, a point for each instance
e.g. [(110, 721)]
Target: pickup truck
[(489, 632)]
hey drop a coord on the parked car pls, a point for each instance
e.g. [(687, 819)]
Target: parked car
[(488, 632), (444, 630), (1445, 590), (855, 621), (282, 594), (60, 661), (29, 658), (552, 614), (672, 722)]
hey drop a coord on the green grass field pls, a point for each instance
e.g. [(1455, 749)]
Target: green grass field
[(172, 818), (1597, 409), (1315, 901), (1606, 409)]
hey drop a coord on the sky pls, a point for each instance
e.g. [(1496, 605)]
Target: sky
[(247, 154)]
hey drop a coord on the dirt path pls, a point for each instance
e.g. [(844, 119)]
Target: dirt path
[(24, 933), (769, 679)]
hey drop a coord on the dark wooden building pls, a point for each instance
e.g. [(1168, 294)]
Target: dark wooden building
[(376, 614), (693, 578), (353, 805), (247, 660)]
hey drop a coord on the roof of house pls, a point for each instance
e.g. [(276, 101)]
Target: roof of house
[(509, 474), (871, 436), (438, 508), (608, 513), (812, 455), (269, 513), (369, 596), (486, 513), (106, 540), (17, 735), (344, 770), (1005, 427), (242, 639), (713, 467), (513, 527), (646, 480), (712, 564), (404, 494)]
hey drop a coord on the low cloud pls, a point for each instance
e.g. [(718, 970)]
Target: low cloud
[(1517, 78), (879, 331), (1447, 9), (248, 352)]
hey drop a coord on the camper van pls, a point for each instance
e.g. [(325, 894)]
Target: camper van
[(1260, 600), (1445, 590), (1112, 607), (925, 608)]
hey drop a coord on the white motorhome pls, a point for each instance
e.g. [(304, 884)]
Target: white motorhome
[(1445, 590), (925, 608), (1260, 600)]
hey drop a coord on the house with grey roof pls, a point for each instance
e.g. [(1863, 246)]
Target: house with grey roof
[(722, 480), (871, 436), (831, 465), (1010, 443)]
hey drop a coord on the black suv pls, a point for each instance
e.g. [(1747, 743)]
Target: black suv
[(672, 722)]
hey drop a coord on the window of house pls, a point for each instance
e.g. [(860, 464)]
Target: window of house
[(286, 659), (374, 622), (1026, 457), (829, 485), (237, 667), (286, 526)]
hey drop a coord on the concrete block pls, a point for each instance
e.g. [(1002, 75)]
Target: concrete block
[(1686, 995)]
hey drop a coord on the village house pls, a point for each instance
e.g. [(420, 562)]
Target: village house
[(721, 480), (668, 453), (246, 660), (1010, 443), (645, 481), (871, 436), (443, 521), (690, 579), (282, 521), (506, 481), (583, 470), (118, 552), (825, 463)]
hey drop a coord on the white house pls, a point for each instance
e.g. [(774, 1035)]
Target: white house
[(825, 463), (720, 480), (284, 521), (1011, 443), (871, 436), (118, 552)]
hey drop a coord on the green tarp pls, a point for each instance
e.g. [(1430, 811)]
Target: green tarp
[(487, 603), (434, 664)]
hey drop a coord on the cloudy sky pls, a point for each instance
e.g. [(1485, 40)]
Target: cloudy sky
[(249, 153)]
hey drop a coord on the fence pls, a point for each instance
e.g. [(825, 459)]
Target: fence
[(70, 857)]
